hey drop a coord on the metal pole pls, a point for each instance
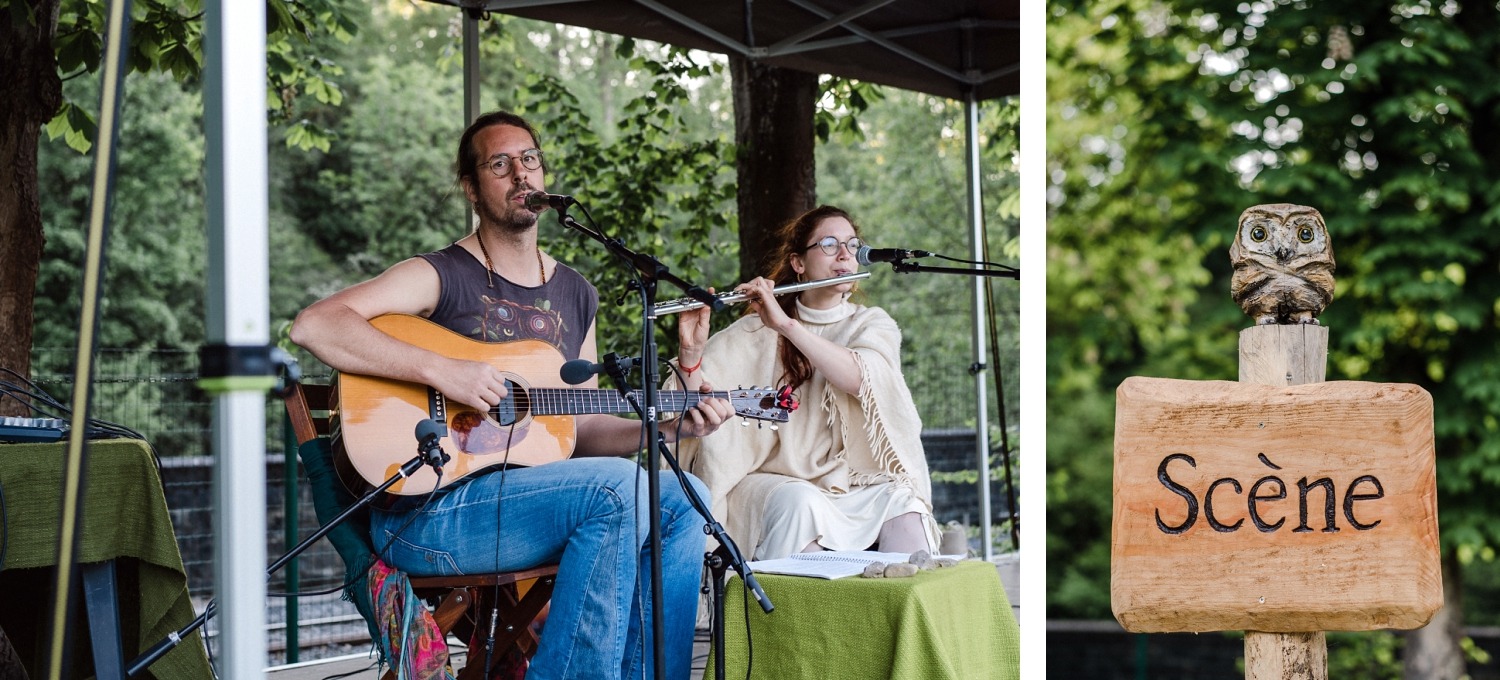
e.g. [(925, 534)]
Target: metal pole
[(75, 486), (234, 47), (471, 90), (471, 68), (291, 527), (981, 325)]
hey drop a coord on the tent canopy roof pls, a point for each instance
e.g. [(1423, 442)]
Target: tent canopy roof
[(947, 48)]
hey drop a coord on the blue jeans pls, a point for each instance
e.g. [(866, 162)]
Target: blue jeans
[(590, 516)]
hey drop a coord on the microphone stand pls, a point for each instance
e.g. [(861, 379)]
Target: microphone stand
[(428, 453), (904, 267), (728, 553), (652, 271)]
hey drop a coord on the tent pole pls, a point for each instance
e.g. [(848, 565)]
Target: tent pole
[(238, 305), (472, 98), (471, 67), (979, 368)]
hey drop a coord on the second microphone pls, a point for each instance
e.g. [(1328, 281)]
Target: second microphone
[(580, 370)]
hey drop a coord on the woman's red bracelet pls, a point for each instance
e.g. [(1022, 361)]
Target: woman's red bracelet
[(689, 369)]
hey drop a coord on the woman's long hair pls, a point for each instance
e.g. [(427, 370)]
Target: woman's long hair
[(791, 239)]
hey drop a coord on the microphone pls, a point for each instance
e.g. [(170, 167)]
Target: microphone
[(428, 431), (580, 370), (538, 201), (867, 255)]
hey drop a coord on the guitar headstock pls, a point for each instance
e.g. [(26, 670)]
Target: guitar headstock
[(759, 403)]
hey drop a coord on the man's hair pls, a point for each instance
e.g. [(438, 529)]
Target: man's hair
[(468, 156)]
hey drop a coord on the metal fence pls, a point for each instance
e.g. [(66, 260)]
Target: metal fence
[(154, 392), (1101, 650)]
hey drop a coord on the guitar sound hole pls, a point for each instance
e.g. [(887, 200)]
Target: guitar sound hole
[(514, 406)]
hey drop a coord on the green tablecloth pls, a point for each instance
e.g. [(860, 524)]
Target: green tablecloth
[(944, 624), (124, 518)]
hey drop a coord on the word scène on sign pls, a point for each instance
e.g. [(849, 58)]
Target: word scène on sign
[(1240, 506), (1266, 491)]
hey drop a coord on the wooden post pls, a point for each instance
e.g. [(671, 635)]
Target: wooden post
[(1281, 355)]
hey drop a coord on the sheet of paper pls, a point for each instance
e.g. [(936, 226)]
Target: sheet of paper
[(830, 564)]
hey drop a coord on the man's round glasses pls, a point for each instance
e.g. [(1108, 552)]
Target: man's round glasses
[(830, 245), (501, 165)]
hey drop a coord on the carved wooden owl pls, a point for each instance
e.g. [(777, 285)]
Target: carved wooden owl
[(1283, 264)]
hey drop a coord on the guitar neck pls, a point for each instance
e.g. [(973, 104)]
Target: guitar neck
[(556, 401)]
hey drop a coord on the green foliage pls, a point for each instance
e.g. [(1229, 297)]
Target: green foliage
[(75, 126), (1364, 655), (903, 181), (660, 183), (638, 131), (1168, 119), (840, 103), (167, 36), (153, 281)]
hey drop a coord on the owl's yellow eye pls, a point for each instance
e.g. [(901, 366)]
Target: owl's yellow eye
[(1305, 234), (1258, 234)]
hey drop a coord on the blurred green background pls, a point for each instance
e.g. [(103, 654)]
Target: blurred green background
[(1166, 119)]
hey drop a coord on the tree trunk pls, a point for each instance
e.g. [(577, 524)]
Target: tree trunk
[(1433, 651), (32, 93), (773, 127)]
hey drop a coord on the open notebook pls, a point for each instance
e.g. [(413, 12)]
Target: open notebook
[(830, 564)]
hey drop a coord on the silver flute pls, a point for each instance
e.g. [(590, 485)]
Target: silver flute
[(736, 297)]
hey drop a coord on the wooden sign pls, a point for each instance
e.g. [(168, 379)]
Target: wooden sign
[(1282, 509)]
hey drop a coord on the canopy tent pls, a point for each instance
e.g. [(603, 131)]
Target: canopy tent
[(948, 48), (967, 50), (963, 49)]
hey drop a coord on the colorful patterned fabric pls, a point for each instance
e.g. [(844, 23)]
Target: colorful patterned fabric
[(409, 637)]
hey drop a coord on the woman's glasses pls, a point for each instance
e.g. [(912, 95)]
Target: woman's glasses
[(830, 245), (500, 165)]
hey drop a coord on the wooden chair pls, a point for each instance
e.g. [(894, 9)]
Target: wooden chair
[(463, 603)]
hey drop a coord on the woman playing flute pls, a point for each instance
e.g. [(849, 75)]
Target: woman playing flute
[(848, 471)]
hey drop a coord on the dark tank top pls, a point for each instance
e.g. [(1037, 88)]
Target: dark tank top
[(558, 312)]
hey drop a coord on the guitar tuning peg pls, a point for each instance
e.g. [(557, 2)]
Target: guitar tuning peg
[(775, 427), (759, 424), (744, 422)]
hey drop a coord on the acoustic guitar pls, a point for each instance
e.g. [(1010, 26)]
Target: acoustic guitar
[(373, 420)]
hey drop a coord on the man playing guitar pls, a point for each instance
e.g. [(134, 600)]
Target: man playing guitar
[(585, 513)]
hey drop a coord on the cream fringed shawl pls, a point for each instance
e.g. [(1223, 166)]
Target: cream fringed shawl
[(834, 440)]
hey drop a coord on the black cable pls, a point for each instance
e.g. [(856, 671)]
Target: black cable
[(982, 263), (489, 646), (96, 428), (749, 639), (1010, 487), (411, 516), (641, 450), (352, 673), (744, 591)]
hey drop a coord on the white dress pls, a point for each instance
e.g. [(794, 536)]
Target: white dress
[(841, 467)]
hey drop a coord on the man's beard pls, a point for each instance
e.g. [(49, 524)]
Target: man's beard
[(510, 216)]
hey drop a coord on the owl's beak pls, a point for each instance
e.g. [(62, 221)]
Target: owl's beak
[(1282, 254)]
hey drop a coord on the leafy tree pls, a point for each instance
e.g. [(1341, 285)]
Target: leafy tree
[(1172, 117), (42, 40), (386, 190), (899, 168), (157, 245)]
